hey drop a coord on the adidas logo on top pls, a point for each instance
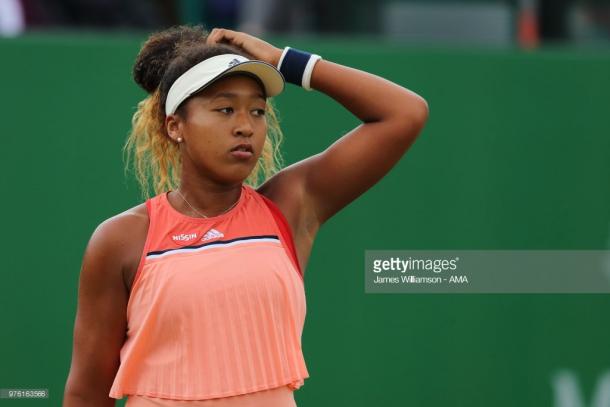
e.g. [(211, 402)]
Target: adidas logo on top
[(212, 234)]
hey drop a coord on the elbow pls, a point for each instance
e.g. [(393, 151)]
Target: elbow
[(77, 399), (73, 395), (413, 117), (420, 112), (83, 391)]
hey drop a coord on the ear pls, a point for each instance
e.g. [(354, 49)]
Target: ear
[(173, 126)]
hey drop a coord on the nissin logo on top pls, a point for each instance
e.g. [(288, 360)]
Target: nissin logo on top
[(184, 237)]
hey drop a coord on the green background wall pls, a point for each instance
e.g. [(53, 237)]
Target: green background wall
[(516, 155)]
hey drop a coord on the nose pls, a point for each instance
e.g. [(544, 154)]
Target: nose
[(243, 127)]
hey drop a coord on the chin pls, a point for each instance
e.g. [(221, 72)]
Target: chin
[(236, 177)]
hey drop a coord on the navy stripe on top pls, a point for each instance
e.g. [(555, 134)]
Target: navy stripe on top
[(215, 243)]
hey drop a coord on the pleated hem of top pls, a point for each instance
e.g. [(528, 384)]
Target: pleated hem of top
[(293, 384)]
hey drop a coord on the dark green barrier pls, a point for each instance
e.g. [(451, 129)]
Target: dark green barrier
[(516, 155)]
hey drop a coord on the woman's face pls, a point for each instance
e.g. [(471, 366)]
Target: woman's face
[(227, 114)]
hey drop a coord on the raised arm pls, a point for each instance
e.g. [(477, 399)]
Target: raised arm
[(391, 116)]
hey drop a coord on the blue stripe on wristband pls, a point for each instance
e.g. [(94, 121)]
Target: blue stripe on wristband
[(293, 65)]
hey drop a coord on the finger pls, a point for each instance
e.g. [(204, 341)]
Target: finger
[(212, 36), (220, 35), (215, 36)]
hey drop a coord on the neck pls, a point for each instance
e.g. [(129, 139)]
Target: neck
[(208, 198)]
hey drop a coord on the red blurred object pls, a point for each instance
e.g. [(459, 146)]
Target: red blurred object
[(528, 32)]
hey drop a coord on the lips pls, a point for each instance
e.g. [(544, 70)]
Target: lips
[(243, 147), (242, 151)]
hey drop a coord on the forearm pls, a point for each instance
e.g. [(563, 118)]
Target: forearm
[(367, 96), (88, 384)]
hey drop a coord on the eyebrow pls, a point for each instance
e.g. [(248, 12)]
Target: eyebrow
[(231, 95)]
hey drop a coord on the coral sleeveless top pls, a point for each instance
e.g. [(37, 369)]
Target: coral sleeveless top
[(217, 305)]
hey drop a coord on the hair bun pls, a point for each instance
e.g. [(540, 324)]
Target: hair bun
[(159, 50)]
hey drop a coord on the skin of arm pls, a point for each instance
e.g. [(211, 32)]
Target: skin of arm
[(391, 116), (101, 321)]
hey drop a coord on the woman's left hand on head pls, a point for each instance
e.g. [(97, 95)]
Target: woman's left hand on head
[(256, 47)]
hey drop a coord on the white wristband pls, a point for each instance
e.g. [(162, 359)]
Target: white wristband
[(306, 81), (279, 64)]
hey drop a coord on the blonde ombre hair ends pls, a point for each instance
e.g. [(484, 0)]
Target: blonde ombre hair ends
[(156, 160)]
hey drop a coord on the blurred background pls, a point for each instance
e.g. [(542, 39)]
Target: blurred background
[(498, 22), (515, 156)]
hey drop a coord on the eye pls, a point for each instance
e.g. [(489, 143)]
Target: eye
[(259, 112), (225, 110)]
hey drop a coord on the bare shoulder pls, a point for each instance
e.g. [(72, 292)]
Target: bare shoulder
[(120, 229), (132, 217), (121, 237)]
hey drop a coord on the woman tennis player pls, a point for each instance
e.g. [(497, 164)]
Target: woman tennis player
[(196, 296)]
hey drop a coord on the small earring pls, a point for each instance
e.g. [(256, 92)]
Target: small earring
[(179, 139)]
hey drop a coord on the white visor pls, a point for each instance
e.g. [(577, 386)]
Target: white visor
[(211, 69)]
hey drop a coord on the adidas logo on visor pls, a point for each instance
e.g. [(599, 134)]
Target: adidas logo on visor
[(233, 62)]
